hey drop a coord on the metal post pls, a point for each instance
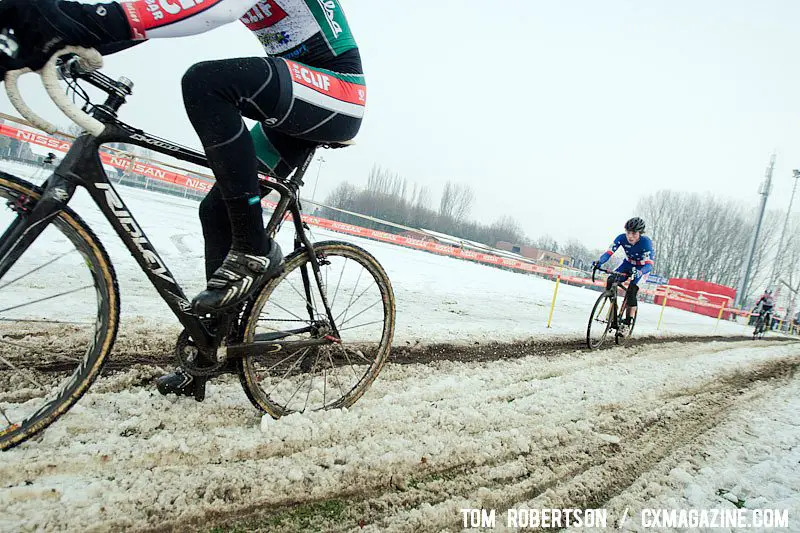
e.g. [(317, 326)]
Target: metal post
[(314, 194), (764, 191), (779, 256)]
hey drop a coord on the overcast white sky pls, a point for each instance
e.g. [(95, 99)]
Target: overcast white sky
[(561, 114)]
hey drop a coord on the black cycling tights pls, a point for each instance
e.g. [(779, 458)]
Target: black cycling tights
[(630, 294), (217, 94)]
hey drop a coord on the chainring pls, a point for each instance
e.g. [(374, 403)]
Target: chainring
[(188, 355)]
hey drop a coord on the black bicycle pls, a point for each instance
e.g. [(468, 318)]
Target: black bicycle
[(606, 314), (313, 338)]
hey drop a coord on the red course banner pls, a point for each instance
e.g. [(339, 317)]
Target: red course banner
[(116, 161)]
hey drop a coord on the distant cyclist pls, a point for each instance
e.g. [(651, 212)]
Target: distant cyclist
[(639, 255), (764, 307)]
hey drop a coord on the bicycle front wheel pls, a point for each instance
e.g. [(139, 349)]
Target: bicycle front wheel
[(758, 328), (59, 310), (291, 308), (599, 321)]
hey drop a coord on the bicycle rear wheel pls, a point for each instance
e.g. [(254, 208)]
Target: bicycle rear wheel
[(59, 311), (329, 376), (599, 321)]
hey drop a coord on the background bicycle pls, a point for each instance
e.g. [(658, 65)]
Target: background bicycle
[(606, 314)]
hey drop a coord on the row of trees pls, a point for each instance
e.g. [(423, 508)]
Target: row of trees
[(388, 196), (708, 238)]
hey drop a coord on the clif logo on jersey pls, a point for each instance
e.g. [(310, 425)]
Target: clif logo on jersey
[(263, 15), (157, 7), (311, 77)]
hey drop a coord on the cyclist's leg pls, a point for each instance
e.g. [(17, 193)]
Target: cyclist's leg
[(631, 300), (626, 268), (217, 94), (213, 211), (216, 229), (633, 288), (296, 106)]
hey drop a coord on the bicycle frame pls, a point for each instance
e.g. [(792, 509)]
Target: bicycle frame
[(82, 167), (612, 291)]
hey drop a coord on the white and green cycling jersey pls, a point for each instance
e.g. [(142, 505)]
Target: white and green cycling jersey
[(315, 32), (300, 29)]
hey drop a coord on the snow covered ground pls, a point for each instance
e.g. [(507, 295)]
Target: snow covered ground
[(674, 424), (650, 426)]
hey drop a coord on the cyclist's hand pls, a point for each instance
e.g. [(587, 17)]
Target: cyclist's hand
[(34, 38), (595, 265), (8, 52), (42, 27)]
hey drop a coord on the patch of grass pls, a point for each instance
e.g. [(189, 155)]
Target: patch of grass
[(739, 503), (305, 515)]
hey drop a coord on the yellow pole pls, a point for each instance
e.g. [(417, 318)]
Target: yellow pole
[(719, 316), (555, 291), (663, 305)]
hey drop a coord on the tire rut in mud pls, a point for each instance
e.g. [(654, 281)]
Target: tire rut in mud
[(139, 346)]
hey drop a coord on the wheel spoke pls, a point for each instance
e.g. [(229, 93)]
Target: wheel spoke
[(3, 412), (361, 325), (354, 302), (358, 280), (3, 286), (341, 274), (360, 313), (333, 373), (349, 362), (283, 308), (31, 320), (65, 293), (18, 371)]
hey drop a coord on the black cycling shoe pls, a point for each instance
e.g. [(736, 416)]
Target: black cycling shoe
[(181, 383), (237, 279)]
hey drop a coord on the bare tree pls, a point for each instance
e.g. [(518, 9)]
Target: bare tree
[(546, 243), (447, 201), (390, 197), (579, 253), (462, 203)]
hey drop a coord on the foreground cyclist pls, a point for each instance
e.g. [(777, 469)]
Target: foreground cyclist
[(309, 89), (638, 253)]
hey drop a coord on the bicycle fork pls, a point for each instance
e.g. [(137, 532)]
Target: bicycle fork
[(33, 216)]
